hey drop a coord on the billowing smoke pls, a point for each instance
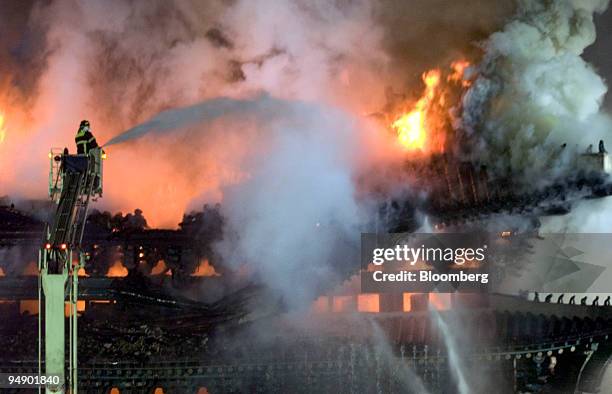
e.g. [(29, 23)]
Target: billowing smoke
[(282, 149), (535, 93), (119, 64), (296, 216), (293, 215)]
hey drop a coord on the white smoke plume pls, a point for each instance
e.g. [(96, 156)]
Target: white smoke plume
[(535, 92), (296, 217), (293, 215)]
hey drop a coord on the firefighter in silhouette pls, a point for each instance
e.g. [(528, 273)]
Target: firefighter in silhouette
[(602, 148), (85, 141)]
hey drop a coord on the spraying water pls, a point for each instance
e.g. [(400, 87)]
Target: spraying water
[(455, 363), (203, 112), (285, 154), (410, 381)]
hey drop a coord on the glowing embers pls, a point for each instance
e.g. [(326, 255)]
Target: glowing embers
[(368, 303), (440, 301), (407, 303), (159, 390), (161, 269), (68, 307), (343, 303), (385, 302), (320, 305), (117, 270), (29, 306), (205, 269)]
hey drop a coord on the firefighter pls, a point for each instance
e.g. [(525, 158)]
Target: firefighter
[(85, 141)]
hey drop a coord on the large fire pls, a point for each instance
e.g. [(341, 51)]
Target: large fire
[(419, 128), (412, 127)]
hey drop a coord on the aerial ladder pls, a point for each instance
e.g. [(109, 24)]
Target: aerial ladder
[(74, 181)]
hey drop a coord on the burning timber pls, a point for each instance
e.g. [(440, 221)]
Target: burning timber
[(457, 192), (108, 239)]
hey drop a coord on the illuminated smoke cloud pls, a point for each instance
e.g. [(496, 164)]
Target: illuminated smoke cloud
[(535, 92), (120, 64), (295, 218)]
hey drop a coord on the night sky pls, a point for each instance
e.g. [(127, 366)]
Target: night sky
[(600, 53)]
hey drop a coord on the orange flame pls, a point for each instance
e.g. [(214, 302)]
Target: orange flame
[(368, 302), (421, 129), (412, 127), (321, 304), (30, 306), (458, 75), (407, 304), (343, 303), (440, 301), (68, 307), (117, 270), (205, 269), (161, 268)]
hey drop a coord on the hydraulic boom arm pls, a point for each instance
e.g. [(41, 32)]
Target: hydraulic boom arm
[(73, 181)]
